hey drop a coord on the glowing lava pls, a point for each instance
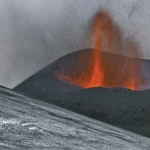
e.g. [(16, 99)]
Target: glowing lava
[(107, 72), (97, 77), (102, 70)]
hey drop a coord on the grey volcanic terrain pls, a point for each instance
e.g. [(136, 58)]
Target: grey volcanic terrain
[(117, 106), (27, 123)]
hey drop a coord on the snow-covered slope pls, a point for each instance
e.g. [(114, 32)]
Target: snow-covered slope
[(26, 123)]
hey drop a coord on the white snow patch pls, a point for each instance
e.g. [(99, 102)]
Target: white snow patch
[(33, 128), (4, 121), (26, 124)]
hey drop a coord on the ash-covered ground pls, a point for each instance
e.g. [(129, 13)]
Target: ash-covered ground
[(27, 123)]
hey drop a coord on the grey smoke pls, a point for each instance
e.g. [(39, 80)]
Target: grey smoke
[(34, 33)]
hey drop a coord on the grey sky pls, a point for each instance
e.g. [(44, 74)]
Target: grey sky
[(34, 33)]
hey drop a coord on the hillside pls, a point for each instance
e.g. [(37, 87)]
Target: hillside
[(27, 123)]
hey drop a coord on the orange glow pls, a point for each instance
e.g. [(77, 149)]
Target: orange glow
[(108, 71)]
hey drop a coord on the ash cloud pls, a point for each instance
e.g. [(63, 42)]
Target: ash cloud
[(34, 33)]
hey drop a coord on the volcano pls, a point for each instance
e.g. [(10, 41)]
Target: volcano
[(109, 82), (101, 66), (122, 107), (72, 72)]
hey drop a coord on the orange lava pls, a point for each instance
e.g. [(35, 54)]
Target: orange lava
[(108, 71), (97, 76)]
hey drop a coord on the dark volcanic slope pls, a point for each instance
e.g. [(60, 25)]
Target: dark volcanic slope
[(26, 123), (115, 106), (120, 107)]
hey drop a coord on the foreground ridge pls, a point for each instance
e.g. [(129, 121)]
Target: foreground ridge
[(27, 123)]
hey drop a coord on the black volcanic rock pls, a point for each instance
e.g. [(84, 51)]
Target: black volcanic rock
[(27, 123), (117, 106)]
